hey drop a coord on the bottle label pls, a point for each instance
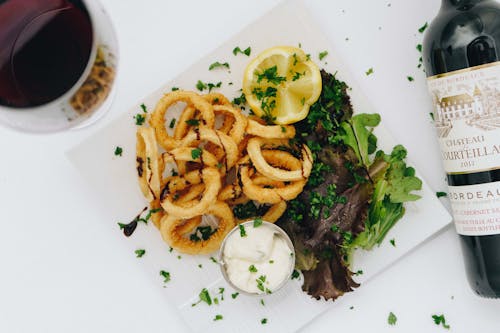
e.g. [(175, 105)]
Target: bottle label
[(476, 208), (467, 117)]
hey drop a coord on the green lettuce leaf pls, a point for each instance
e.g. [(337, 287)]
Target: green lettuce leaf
[(392, 188), (357, 134)]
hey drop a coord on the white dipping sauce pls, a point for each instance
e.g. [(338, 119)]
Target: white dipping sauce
[(258, 262)]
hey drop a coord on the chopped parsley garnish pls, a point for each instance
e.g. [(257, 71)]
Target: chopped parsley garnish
[(257, 222), (221, 293), (410, 78), (295, 274), (243, 232), (172, 123), (262, 302), (218, 65), (359, 272), (283, 129), (170, 249), (202, 233), (322, 55), (216, 301), (441, 194), (263, 321), (200, 265), (240, 100), (369, 71), (213, 85), (271, 75), (271, 261), (201, 86), (423, 28), (139, 119), (179, 257), (144, 109), (233, 296), (431, 114), (246, 51), (252, 269), (260, 284), (218, 317), (392, 319), (419, 47), (165, 275), (440, 320), (118, 151), (140, 252), (298, 75), (175, 88), (303, 100), (213, 260), (393, 242), (204, 297), (196, 153), (193, 122)]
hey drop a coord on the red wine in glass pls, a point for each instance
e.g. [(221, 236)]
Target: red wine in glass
[(45, 48)]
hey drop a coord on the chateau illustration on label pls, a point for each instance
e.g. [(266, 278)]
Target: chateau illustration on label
[(477, 104)]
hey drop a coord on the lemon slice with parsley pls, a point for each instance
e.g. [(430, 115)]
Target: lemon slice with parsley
[(281, 83)]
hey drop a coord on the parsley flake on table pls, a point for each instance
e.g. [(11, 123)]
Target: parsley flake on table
[(392, 319), (263, 321), (200, 85), (213, 85), (218, 65), (233, 296), (410, 78), (423, 28), (218, 317), (262, 302), (175, 88), (195, 153), (241, 100), (441, 194), (322, 55), (172, 123), (139, 119), (205, 296), (140, 252), (252, 269), (359, 272), (144, 109), (165, 275), (369, 71), (393, 242), (243, 232), (213, 260), (419, 47), (295, 274), (118, 151), (246, 51), (440, 320)]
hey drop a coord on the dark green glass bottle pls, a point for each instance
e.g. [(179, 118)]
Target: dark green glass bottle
[(461, 53)]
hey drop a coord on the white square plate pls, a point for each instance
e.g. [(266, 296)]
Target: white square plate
[(115, 184)]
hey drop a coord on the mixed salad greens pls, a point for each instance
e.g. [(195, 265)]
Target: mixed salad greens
[(354, 195)]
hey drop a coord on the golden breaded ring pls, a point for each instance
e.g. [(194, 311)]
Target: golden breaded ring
[(237, 131), (148, 169), (157, 120), (173, 231), (254, 150), (275, 212), (212, 181), (270, 131), (218, 138)]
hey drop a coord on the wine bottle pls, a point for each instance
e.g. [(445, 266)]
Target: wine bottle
[(461, 53)]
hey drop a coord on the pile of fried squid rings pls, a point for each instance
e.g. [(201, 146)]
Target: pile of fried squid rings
[(214, 158)]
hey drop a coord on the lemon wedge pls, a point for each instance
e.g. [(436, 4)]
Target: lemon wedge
[(281, 83)]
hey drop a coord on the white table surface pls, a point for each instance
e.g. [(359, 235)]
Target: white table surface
[(63, 271)]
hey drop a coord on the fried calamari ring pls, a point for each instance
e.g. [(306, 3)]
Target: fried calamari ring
[(173, 231), (237, 130), (190, 112), (148, 169), (266, 190), (218, 138), (212, 181), (157, 120), (254, 150), (275, 212), (270, 131)]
